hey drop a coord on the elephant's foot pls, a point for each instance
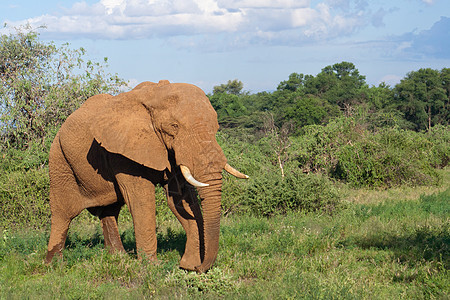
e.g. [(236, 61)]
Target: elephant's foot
[(147, 255), (115, 249), (190, 261), (55, 251)]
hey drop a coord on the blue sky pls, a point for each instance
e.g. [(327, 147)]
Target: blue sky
[(260, 42)]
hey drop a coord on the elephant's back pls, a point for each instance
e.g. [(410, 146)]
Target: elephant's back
[(90, 108), (76, 130)]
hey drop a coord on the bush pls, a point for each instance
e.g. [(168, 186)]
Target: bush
[(245, 154), (24, 199), (346, 150), (439, 137), (267, 192), (271, 194), (34, 157), (388, 158), (42, 85), (317, 145)]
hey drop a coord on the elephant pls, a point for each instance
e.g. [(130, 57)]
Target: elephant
[(114, 150)]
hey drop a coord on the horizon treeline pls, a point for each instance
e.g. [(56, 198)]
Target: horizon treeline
[(419, 102)]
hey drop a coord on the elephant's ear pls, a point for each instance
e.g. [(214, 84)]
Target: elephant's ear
[(127, 130)]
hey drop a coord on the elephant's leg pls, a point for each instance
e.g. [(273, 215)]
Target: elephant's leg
[(65, 201), (109, 216), (184, 204), (139, 195), (58, 235), (111, 233)]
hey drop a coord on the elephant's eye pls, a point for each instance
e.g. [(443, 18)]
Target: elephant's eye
[(174, 129), (171, 129)]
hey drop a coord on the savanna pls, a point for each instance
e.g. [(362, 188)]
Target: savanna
[(348, 195)]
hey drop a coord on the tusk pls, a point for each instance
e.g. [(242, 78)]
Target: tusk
[(188, 176), (235, 172)]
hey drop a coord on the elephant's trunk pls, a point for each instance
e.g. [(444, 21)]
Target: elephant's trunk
[(211, 199)]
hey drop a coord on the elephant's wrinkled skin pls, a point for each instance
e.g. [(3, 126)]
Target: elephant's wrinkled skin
[(114, 150)]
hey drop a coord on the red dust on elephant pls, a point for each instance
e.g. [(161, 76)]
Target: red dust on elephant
[(114, 150)]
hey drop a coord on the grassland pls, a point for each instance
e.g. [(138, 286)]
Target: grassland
[(383, 244)]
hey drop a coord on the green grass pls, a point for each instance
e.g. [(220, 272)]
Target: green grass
[(379, 249)]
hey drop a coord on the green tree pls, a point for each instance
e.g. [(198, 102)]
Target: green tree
[(229, 108), (42, 84), (310, 110), (294, 82), (380, 110), (339, 84), (380, 96), (233, 87), (445, 79), (423, 97)]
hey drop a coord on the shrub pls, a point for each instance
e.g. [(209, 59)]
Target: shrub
[(24, 199), (34, 157), (42, 84), (268, 194), (271, 194), (390, 157), (317, 145), (439, 137), (346, 150)]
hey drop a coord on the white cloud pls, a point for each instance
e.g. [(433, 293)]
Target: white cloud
[(112, 5), (281, 21), (242, 4), (304, 16)]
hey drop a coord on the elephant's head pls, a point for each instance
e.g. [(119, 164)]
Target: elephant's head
[(156, 121)]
